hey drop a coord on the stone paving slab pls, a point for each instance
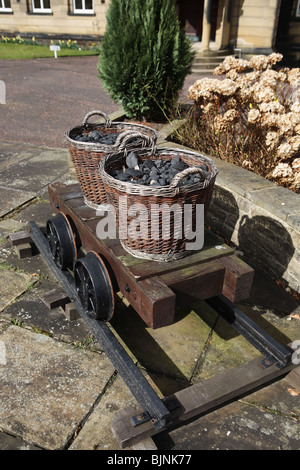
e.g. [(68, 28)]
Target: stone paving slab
[(172, 350), (31, 311), (32, 174), (8, 442), (227, 348), (97, 434), (47, 387), (12, 198), (12, 284), (263, 420), (30, 265), (25, 170), (8, 226), (12, 153)]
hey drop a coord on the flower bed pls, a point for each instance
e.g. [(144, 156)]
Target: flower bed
[(249, 116)]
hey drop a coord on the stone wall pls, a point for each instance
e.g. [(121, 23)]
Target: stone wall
[(261, 219), (59, 22), (253, 24)]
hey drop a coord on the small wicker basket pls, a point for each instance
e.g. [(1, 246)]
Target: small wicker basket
[(158, 248), (86, 156)]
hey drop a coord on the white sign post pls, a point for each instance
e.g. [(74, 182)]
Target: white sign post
[(55, 49)]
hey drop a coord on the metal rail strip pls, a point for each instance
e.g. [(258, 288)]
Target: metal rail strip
[(273, 351), (152, 405)]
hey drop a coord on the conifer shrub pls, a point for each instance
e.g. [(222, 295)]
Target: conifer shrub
[(144, 57)]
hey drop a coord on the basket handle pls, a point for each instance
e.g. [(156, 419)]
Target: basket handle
[(122, 136), (146, 140), (188, 171), (93, 113)]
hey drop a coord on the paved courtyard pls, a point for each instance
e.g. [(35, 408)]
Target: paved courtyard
[(58, 388)]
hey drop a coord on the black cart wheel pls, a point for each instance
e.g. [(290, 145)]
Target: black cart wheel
[(61, 241), (94, 286)]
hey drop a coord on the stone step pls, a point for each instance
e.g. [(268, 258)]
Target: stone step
[(211, 52), (211, 59), (202, 71), (206, 62), (207, 65)]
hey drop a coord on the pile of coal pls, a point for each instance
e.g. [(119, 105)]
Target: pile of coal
[(97, 137), (157, 173)]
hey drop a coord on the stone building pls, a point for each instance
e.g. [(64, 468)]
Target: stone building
[(246, 26)]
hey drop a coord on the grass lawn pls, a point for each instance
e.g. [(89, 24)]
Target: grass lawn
[(27, 51)]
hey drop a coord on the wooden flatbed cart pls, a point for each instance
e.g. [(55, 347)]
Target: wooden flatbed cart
[(91, 271)]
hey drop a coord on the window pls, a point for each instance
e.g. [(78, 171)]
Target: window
[(298, 9), (5, 6), (41, 6), (83, 6)]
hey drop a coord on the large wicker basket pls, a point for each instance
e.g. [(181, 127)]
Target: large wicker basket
[(86, 156), (123, 195)]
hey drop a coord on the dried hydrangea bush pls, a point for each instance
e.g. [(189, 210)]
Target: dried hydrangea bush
[(250, 116)]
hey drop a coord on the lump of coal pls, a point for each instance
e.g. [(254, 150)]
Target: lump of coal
[(134, 173), (132, 160), (179, 166), (96, 136), (147, 164)]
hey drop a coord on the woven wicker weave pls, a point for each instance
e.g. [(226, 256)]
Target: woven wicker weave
[(158, 248), (87, 155)]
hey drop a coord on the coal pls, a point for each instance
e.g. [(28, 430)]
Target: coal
[(159, 163), (132, 160), (123, 177), (96, 136), (134, 173), (153, 172), (204, 167), (148, 163), (179, 166), (175, 160), (158, 173), (154, 176)]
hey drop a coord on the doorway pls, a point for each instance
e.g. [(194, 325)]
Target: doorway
[(190, 14)]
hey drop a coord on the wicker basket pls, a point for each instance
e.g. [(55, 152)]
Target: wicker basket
[(158, 247), (86, 156)]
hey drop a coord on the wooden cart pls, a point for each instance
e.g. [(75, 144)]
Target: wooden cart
[(155, 288), (91, 271)]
